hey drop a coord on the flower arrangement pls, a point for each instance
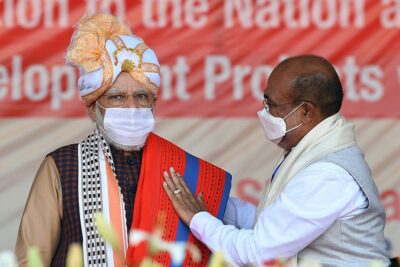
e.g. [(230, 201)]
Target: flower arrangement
[(156, 244)]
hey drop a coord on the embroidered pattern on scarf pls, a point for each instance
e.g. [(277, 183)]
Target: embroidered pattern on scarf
[(90, 196)]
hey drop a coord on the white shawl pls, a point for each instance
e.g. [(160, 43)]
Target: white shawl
[(331, 135)]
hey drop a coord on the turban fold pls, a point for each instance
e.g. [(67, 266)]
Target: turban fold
[(102, 47)]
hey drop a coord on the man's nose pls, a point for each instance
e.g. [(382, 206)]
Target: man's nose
[(130, 102)]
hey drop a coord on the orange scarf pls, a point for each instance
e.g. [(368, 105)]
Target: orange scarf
[(151, 199)]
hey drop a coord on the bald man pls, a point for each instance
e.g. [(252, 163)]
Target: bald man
[(321, 201)]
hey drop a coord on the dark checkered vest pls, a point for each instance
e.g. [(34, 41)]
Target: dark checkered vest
[(66, 159)]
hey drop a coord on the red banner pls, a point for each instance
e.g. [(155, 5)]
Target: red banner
[(216, 55)]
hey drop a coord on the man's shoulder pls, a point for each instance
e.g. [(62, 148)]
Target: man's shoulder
[(155, 137), (348, 158), (64, 153)]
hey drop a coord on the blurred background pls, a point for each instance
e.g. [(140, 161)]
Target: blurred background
[(216, 56)]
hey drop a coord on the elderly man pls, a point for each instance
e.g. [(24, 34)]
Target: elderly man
[(321, 201), (117, 169)]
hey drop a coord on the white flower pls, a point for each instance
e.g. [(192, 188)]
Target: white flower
[(309, 263), (156, 243), (7, 259)]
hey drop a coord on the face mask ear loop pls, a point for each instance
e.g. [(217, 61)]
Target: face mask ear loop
[(98, 114), (98, 104), (294, 128), (291, 112)]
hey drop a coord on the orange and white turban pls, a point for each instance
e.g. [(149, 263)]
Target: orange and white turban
[(102, 47)]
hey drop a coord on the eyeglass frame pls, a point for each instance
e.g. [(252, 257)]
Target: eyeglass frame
[(152, 98), (267, 106)]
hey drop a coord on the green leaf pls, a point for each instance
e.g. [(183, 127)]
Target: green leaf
[(375, 263), (106, 231), (109, 234), (34, 258)]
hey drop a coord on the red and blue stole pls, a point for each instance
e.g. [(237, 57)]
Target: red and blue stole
[(152, 202)]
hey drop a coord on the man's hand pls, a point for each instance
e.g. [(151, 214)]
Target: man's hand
[(185, 204)]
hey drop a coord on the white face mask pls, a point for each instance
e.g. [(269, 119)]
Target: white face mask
[(127, 126), (275, 127)]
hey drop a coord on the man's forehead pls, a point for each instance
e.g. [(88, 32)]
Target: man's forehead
[(272, 95), (279, 88), (125, 82)]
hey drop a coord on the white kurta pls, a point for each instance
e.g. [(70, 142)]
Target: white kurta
[(312, 200)]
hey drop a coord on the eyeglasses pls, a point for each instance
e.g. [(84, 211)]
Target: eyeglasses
[(268, 105), (142, 99)]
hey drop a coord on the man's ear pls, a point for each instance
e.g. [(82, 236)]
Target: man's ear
[(309, 112), (92, 111)]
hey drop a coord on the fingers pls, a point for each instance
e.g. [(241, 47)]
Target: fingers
[(200, 201), (183, 201), (175, 182), (181, 209), (170, 186), (200, 197), (168, 190), (179, 181)]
